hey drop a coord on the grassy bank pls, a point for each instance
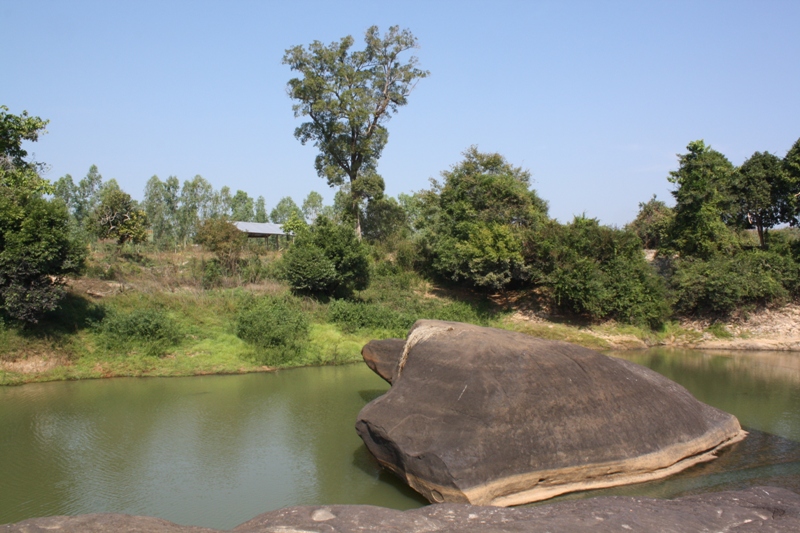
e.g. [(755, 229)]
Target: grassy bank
[(153, 313)]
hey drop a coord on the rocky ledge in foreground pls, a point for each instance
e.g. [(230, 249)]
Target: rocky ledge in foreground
[(759, 509), (492, 417)]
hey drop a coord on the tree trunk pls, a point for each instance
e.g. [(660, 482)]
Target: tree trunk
[(358, 223)]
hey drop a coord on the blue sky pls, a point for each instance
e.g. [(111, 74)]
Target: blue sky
[(595, 98)]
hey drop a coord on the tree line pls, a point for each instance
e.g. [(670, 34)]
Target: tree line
[(481, 225)]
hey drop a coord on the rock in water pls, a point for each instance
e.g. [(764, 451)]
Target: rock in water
[(493, 417), (382, 356)]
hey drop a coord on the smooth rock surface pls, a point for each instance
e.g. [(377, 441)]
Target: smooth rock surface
[(492, 417), (762, 509), (382, 356)]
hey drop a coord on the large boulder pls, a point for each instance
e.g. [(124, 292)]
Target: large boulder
[(493, 417), (758, 509)]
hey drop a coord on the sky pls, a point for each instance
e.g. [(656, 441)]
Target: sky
[(595, 98)]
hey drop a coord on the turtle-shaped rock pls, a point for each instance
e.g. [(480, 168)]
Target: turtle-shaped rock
[(494, 417)]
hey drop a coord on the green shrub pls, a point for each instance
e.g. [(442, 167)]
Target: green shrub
[(223, 239), (309, 270), (37, 250), (327, 259), (456, 312), (406, 254), (597, 272), (481, 212), (212, 274), (722, 284), (252, 270), (152, 331), (352, 316), (276, 327)]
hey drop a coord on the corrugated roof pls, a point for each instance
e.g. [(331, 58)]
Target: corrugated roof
[(259, 228)]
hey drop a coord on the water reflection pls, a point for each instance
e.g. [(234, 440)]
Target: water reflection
[(217, 450)]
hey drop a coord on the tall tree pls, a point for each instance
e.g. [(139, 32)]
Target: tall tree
[(261, 210), (242, 207), (161, 202), (761, 194), (703, 202), (196, 199), (284, 210), (36, 246), (791, 168), (221, 203), (349, 96), (64, 189), (87, 195), (312, 206)]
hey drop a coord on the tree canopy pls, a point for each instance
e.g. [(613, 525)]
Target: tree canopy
[(761, 194), (15, 169), (119, 217), (485, 206), (36, 246), (284, 210), (703, 199), (348, 96)]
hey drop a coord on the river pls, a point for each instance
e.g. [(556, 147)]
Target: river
[(215, 451)]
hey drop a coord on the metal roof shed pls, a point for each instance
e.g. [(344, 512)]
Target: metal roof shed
[(260, 229)]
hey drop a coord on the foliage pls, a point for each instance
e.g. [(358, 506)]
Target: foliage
[(276, 327), (348, 97), (284, 210), (395, 320), (723, 284), (791, 168), (242, 207), (652, 223), (761, 194), (353, 316), (261, 210), (483, 210), (15, 170), (119, 217), (198, 202), (308, 270), (161, 205), (327, 259), (36, 252), (598, 272), (294, 225), (153, 331), (222, 238), (312, 206), (384, 218), (703, 203), (36, 246)]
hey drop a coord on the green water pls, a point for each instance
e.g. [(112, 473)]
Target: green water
[(216, 451)]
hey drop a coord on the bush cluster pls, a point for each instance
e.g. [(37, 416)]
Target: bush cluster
[(722, 284), (150, 331), (597, 272), (395, 318), (327, 259), (276, 327)]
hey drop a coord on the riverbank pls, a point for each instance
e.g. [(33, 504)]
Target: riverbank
[(76, 342)]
